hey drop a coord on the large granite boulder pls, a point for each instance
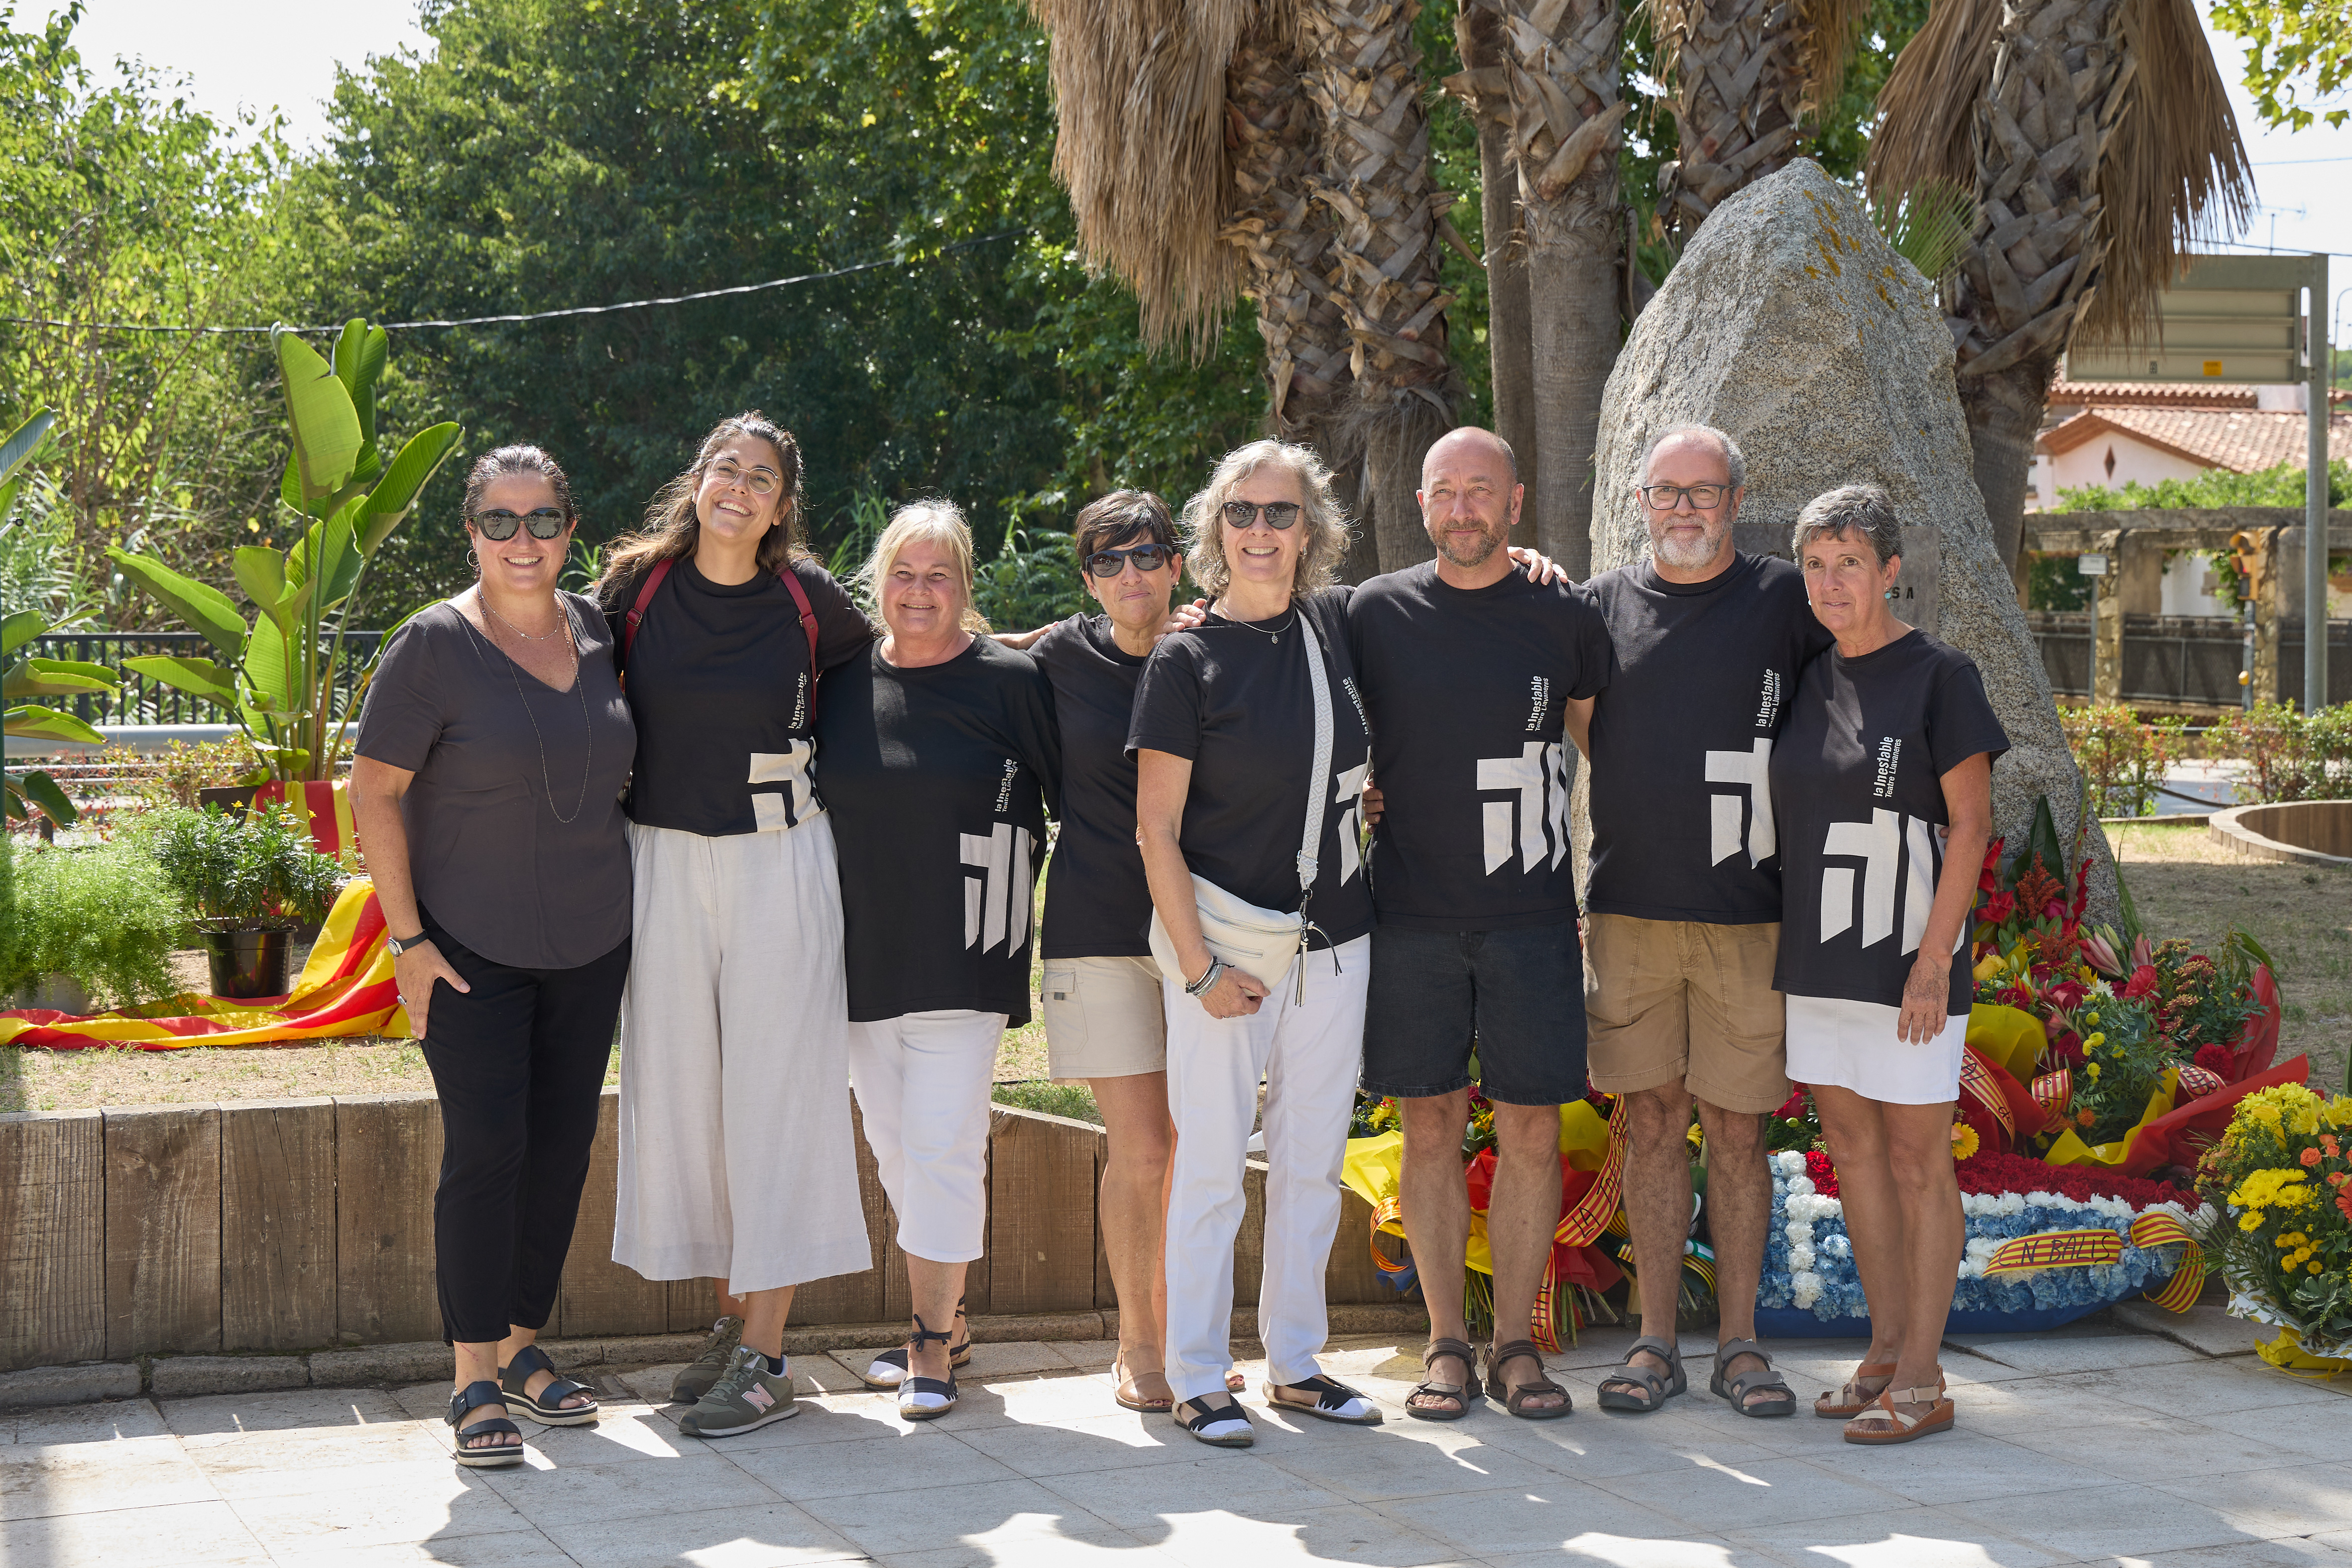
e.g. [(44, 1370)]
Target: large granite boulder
[(1791, 324)]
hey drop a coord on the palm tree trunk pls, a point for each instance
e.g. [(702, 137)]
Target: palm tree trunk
[(1484, 87), (1364, 76), (1564, 115)]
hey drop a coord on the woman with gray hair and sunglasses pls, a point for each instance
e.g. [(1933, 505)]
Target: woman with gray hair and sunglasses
[(1251, 750), (1881, 782)]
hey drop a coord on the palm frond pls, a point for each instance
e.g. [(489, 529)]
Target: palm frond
[(1928, 107), (1139, 89), (2172, 170), (1929, 225)]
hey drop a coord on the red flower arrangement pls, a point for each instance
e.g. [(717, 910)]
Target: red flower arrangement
[(1997, 1174)]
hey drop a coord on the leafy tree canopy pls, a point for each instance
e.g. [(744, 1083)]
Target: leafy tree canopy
[(2296, 50)]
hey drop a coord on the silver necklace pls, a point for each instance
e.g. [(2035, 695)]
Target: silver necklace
[(587, 725), (1274, 636), (562, 620)]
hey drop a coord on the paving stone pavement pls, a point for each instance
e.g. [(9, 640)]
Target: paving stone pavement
[(2092, 1445)]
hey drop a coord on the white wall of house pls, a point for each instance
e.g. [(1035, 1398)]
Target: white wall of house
[(2187, 587), (2135, 460)]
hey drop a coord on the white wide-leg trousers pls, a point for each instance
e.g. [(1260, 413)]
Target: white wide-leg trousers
[(922, 1083), (1308, 1052), (736, 1157)]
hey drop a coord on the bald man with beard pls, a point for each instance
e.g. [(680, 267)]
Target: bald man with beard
[(1471, 673)]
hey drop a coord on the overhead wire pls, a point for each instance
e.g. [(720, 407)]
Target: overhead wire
[(522, 317)]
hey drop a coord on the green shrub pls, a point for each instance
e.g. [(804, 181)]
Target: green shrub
[(2122, 759), (259, 872), (2280, 487), (2293, 755), (104, 914), (1074, 1101)]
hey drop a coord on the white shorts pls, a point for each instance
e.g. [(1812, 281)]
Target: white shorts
[(1104, 1018), (1853, 1046)]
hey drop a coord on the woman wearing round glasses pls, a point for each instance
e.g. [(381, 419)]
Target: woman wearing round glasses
[(501, 865), (1251, 751), (1104, 1020), (736, 1156)]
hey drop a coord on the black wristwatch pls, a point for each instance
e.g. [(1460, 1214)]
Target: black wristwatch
[(400, 945)]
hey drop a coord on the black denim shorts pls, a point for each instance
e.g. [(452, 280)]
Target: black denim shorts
[(1514, 997)]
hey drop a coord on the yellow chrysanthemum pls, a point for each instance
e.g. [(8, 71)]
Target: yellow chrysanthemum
[(2095, 1039), (1964, 1140), (2090, 1070), (2271, 1188)]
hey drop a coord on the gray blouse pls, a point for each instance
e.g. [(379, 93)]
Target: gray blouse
[(500, 759)]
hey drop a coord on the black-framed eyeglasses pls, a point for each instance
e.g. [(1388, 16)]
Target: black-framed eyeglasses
[(1667, 498), (759, 481), (1279, 514), (544, 523), (1146, 557)]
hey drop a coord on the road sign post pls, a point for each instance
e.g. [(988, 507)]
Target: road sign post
[(2093, 566)]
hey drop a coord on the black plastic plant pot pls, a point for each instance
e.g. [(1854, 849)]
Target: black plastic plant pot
[(248, 964)]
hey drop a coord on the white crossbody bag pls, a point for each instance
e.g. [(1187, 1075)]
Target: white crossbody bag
[(1264, 942)]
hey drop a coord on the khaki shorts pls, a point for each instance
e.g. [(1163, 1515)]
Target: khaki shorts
[(1667, 999), (1104, 1018)]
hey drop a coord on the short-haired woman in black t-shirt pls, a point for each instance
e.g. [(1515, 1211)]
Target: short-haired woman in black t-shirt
[(498, 855), (1882, 782), (737, 1162), (1104, 1020), (940, 758), (1225, 733)]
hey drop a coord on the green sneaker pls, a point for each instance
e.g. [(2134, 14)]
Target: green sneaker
[(706, 1369), (746, 1397)]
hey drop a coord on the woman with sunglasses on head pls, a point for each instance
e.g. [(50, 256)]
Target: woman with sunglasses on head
[(737, 1161), (1105, 1019), (491, 752), (1251, 751)]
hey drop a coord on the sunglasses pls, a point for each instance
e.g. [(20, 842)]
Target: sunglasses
[(759, 481), (1279, 514), (1147, 558), (501, 525), (1667, 498)]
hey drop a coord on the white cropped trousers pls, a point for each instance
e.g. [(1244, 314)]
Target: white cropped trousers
[(1310, 1053), (922, 1083), (736, 1157)]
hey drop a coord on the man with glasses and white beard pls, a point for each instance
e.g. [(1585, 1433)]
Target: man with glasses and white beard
[(1684, 898), (1470, 672)]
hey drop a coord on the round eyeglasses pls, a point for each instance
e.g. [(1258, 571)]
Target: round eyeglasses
[(1279, 514), (501, 525)]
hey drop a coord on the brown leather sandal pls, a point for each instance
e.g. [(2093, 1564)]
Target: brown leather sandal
[(1852, 1398), (1515, 1395), (1881, 1423), (1429, 1387)]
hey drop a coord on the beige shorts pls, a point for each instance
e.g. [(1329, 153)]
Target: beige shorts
[(1667, 999), (1104, 1018)]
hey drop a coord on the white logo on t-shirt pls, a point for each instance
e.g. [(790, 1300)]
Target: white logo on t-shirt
[(1752, 769), (1539, 777), (1894, 849), (996, 907), (1349, 794)]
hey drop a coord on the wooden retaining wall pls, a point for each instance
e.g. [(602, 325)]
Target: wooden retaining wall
[(307, 1224)]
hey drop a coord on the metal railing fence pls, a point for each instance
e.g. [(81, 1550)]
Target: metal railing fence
[(143, 701)]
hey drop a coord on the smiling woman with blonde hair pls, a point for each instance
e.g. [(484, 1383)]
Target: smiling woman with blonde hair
[(940, 761)]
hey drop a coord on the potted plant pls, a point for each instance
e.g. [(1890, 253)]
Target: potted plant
[(248, 885), (85, 927)]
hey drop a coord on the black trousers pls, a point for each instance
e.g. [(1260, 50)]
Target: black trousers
[(519, 1061)]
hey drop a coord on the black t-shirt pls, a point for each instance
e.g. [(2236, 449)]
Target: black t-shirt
[(1857, 779), (1234, 696), (938, 779), (719, 679), (1097, 904), (1682, 741), (1465, 688)]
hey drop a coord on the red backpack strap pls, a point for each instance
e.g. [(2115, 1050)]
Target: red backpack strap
[(808, 614), (645, 591)]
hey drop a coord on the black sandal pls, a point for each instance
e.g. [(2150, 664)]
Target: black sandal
[(473, 1396), (959, 1356), (920, 1384), (1656, 1387), (1737, 1388), (1515, 1395), (546, 1407), (1429, 1387), (1331, 1400), (1204, 1415)]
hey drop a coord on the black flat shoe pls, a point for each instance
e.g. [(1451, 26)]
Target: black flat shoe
[(473, 1396)]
